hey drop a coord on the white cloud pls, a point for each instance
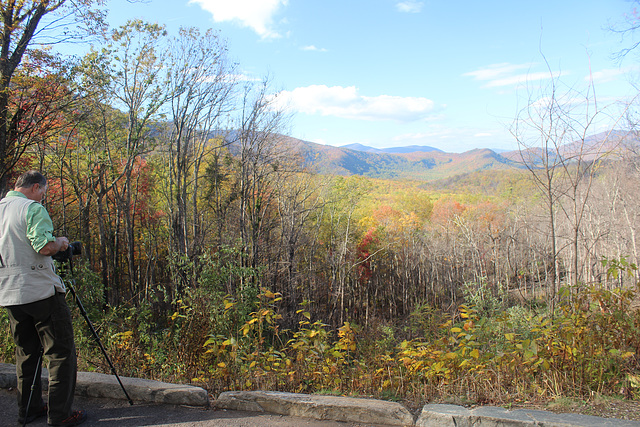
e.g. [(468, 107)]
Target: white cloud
[(243, 77), (346, 102), (496, 71), (409, 6), (314, 48), (610, 74), (505, 74), (519, 79), (255, 14)]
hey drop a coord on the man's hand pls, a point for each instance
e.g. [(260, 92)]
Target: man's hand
[(52, 248)]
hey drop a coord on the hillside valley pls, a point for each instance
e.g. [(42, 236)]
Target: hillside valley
[(416, 163), (424, 163)]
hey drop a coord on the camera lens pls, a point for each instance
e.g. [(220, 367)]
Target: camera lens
[(76, 248)]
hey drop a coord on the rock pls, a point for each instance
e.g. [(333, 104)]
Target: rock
[(93, 384), (337, 408), (444, 416), (438, 415)]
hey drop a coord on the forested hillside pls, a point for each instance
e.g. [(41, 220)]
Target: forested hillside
[(248, 259), (400, 163)]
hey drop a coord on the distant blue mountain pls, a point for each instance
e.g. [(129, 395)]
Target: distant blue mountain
[(360, 147), (392, 150)]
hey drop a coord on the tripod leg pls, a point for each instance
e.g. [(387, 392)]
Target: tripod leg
[(33, 385)]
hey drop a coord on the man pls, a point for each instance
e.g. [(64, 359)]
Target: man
[(34, 297)]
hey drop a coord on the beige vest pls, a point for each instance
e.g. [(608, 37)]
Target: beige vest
[(25, 275)]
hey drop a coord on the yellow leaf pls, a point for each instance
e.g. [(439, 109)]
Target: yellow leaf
[(475, 353), (222, 365)]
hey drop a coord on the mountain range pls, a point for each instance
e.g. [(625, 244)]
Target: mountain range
[(420, 163), (424, 163)]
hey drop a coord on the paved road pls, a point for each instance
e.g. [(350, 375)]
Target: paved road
[(107, 412)]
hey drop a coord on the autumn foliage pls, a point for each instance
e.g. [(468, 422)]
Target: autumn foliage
[(215, 255)]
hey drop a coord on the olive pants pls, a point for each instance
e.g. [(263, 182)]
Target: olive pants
[(45, 324)]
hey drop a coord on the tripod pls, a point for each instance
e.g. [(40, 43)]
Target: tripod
[(71, 283)]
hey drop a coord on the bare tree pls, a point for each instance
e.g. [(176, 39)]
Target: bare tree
[(262, 162), (201, 86), (626, 28), (559, 144), (339, 231), (298, 199)]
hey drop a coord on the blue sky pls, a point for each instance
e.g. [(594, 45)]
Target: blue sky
[(386, 73)]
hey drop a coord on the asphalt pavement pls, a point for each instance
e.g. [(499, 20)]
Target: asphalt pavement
[(104, 412)]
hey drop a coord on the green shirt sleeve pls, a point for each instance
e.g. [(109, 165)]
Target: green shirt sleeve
[(39, 226)]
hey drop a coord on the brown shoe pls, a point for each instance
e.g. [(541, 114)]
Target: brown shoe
[(77, 418)]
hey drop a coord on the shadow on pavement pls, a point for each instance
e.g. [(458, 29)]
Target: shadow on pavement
[(108, 412)]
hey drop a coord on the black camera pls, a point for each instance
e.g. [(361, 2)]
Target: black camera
[(74, 248)]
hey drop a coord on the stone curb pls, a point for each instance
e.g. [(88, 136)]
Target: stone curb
[(371, 411), (336, 408), (452, 415), (93, 384)]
